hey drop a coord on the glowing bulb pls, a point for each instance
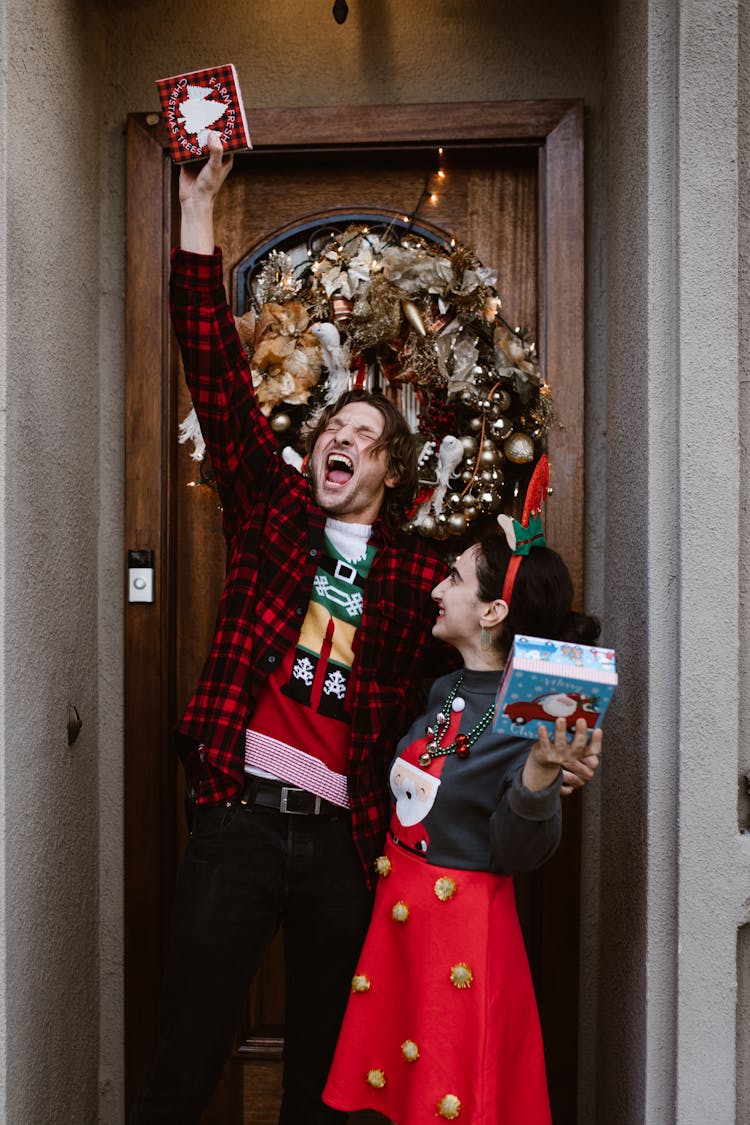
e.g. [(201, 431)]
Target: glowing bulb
[(441, 174), (433, 199)]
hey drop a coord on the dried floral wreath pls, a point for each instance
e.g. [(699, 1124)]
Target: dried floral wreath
[(391, 310)]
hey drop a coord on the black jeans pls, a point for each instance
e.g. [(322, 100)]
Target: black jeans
[(246, 870)]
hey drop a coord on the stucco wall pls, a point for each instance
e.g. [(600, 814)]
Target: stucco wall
[(675, 868), (3, 386), (50, 267)]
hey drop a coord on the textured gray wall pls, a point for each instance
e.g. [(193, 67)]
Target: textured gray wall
[(50, 264), (674, 867)]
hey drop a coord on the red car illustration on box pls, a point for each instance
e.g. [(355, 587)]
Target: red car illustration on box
[(554, 705)]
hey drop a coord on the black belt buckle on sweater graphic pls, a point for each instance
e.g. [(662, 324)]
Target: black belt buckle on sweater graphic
[(341, 570), (287, 799)]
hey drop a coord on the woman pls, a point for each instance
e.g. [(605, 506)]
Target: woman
[(442, 1021)]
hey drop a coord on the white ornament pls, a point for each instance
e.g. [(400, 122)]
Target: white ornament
[(335, 357), (450, 455), (292, 457), (190, 430)]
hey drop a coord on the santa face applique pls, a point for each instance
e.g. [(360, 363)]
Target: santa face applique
[(414, 792)]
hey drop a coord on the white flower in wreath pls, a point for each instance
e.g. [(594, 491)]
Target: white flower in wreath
[(343, 272), (457, 356), (512, 355), (417, 271), (472, 279)]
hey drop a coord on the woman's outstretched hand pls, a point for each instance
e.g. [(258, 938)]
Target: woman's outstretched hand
[(578, 759)]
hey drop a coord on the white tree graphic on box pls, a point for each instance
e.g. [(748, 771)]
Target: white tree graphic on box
[(199, 111)]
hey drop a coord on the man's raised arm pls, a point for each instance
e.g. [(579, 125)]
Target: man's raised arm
[(199, 187)]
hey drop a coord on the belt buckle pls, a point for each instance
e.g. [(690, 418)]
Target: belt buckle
[(284, 805)]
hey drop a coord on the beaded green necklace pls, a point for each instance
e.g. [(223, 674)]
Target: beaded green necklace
[(462, 743)]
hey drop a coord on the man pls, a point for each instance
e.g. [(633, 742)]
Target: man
[(323, 632)]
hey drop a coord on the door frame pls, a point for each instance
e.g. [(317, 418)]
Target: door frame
[(555, 130)]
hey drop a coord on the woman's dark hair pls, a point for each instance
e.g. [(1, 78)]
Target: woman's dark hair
[(540, 605), (396, 439)]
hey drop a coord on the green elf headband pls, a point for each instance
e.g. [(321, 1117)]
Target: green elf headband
[(528, 533)]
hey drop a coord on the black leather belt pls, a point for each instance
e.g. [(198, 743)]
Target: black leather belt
[(287, 799)]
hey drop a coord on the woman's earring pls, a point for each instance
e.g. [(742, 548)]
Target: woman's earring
[(485, 640)]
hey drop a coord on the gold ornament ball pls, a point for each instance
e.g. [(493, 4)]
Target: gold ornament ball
[(501, 399), (519, 448), (475, 423), (468, 397), (467, 476), (280, 423), (454, 500), (449, 1107), (410, 1050), (445, 888), (383, 866), (457, 523), (461, 975), (501, 428), (471, 512), (400, 912), (428, 526), (469, 443), (488, 457)]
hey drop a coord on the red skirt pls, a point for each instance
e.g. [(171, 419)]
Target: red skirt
[(442, 1021)]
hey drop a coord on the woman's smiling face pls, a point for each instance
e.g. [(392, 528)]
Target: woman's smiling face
[(459, 606)]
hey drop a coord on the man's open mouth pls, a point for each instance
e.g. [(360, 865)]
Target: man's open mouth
[(339, 469)]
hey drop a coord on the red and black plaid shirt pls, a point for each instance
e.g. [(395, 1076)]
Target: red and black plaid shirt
[(274, 532)]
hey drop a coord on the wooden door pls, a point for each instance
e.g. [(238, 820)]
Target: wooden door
[(514, 193)]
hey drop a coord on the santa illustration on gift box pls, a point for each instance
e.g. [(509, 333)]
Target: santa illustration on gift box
[(555, 705)]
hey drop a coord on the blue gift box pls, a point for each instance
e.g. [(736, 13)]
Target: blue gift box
[(546, 679)]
